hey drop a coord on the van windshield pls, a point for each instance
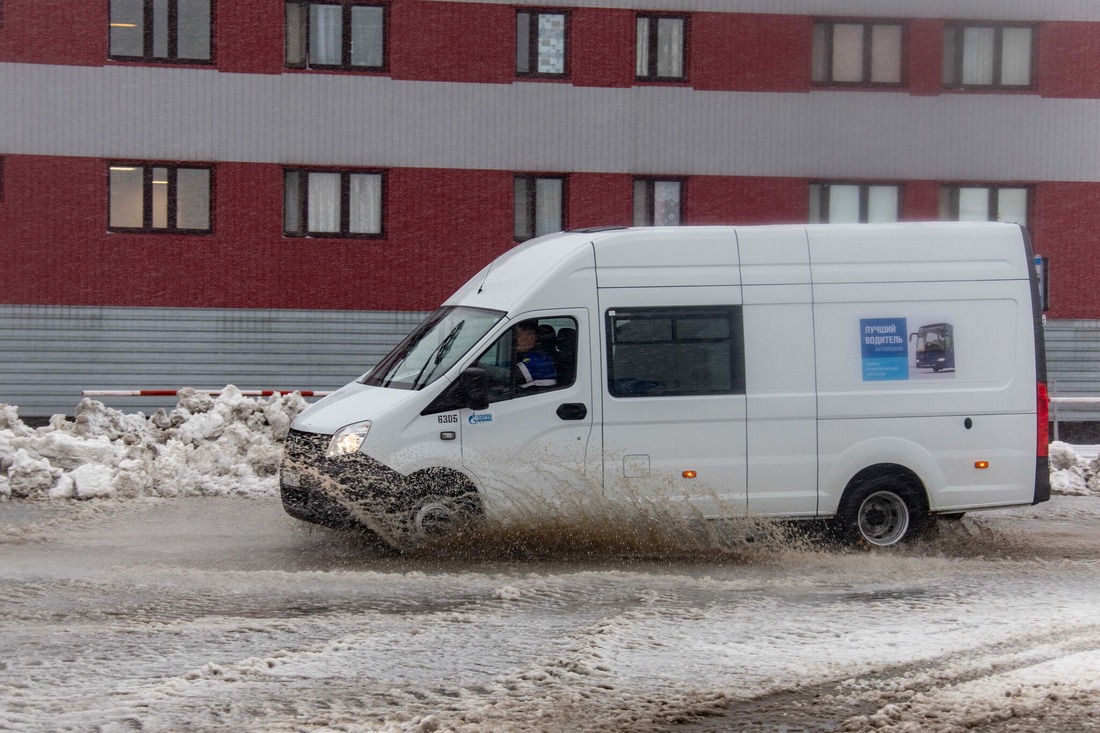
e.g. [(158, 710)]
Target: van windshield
[(432, 348)]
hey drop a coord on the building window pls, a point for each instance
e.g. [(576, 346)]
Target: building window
[(160, 30), (853, 203), (335, 35), (658, 352), (984, 203), (987, 57), (159, 198), (658, 202), (539, 206), (661, 48), (332, 203), (541, 43), (858, 53), (1042, 272)]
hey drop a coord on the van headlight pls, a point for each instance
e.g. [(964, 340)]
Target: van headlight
[(348, 439)]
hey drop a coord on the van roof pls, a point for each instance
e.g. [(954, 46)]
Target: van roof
[(818, 253)]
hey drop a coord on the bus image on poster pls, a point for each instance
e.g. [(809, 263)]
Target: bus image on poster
[(935, 347)]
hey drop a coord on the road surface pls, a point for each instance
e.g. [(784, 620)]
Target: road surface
[(223, 614)]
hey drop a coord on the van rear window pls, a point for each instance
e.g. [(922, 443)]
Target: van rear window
[(655, 352)]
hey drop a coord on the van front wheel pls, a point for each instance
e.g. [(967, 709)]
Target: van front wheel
[(441, 502), (439, 514), (881, 512)]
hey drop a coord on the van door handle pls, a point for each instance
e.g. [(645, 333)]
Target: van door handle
[(572, 411)]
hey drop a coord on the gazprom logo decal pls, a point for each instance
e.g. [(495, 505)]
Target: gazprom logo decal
[(475, 419)]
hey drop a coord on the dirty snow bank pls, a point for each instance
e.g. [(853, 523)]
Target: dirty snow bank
[(218, 446), (225, 445), (1072, 474)]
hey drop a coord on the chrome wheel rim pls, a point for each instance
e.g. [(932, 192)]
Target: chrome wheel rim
[(883, 518)]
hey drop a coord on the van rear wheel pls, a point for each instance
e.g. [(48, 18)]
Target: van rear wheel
[(881, 512)]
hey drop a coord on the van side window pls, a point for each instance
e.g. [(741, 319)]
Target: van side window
[(656, 352), (516, 367)]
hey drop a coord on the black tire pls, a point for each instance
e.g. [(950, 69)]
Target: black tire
[(882, 512)]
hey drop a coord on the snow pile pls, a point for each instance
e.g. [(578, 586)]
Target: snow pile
[(1072, 474), (225, 445)]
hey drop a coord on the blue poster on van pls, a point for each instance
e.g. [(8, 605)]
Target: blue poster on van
[(885, 349)]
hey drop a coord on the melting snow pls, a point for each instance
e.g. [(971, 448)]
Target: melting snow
[(230, 444), (205, 446)]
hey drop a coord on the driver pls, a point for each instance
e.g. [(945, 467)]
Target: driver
[(534, 367)]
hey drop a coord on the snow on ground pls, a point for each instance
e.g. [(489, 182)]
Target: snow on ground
[(214, 614), (163, 612), (228, 445), (205, 446)]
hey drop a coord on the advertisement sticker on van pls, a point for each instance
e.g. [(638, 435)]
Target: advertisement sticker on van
[(886, 352), (885, 348)]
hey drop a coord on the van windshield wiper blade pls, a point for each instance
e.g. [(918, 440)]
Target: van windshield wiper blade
[(439, 354)]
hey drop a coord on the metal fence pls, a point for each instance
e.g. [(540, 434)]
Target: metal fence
[(49, 354)]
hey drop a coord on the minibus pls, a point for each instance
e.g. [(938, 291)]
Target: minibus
[(716, 372)]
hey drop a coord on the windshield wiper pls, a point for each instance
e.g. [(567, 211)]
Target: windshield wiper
[(439, 354)]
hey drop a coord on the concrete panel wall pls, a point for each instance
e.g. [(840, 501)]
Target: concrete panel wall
[(205, 115)]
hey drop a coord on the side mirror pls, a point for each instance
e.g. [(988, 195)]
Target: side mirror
[(475, 388)]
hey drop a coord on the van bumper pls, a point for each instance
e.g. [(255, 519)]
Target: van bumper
[(336, 492), (1042, 480)]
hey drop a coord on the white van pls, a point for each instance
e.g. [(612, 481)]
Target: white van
[(776, 371)]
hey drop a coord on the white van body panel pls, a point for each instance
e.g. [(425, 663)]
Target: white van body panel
[(649, 443), (409, 440), (859, 348), (542, 273), (668, 257), (927, 253), (781, 376), (348, 405), (522, 456)]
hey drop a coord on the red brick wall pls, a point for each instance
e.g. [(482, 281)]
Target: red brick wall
[(54, 32), (1068, 55), (474, 42), (748, 52)]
